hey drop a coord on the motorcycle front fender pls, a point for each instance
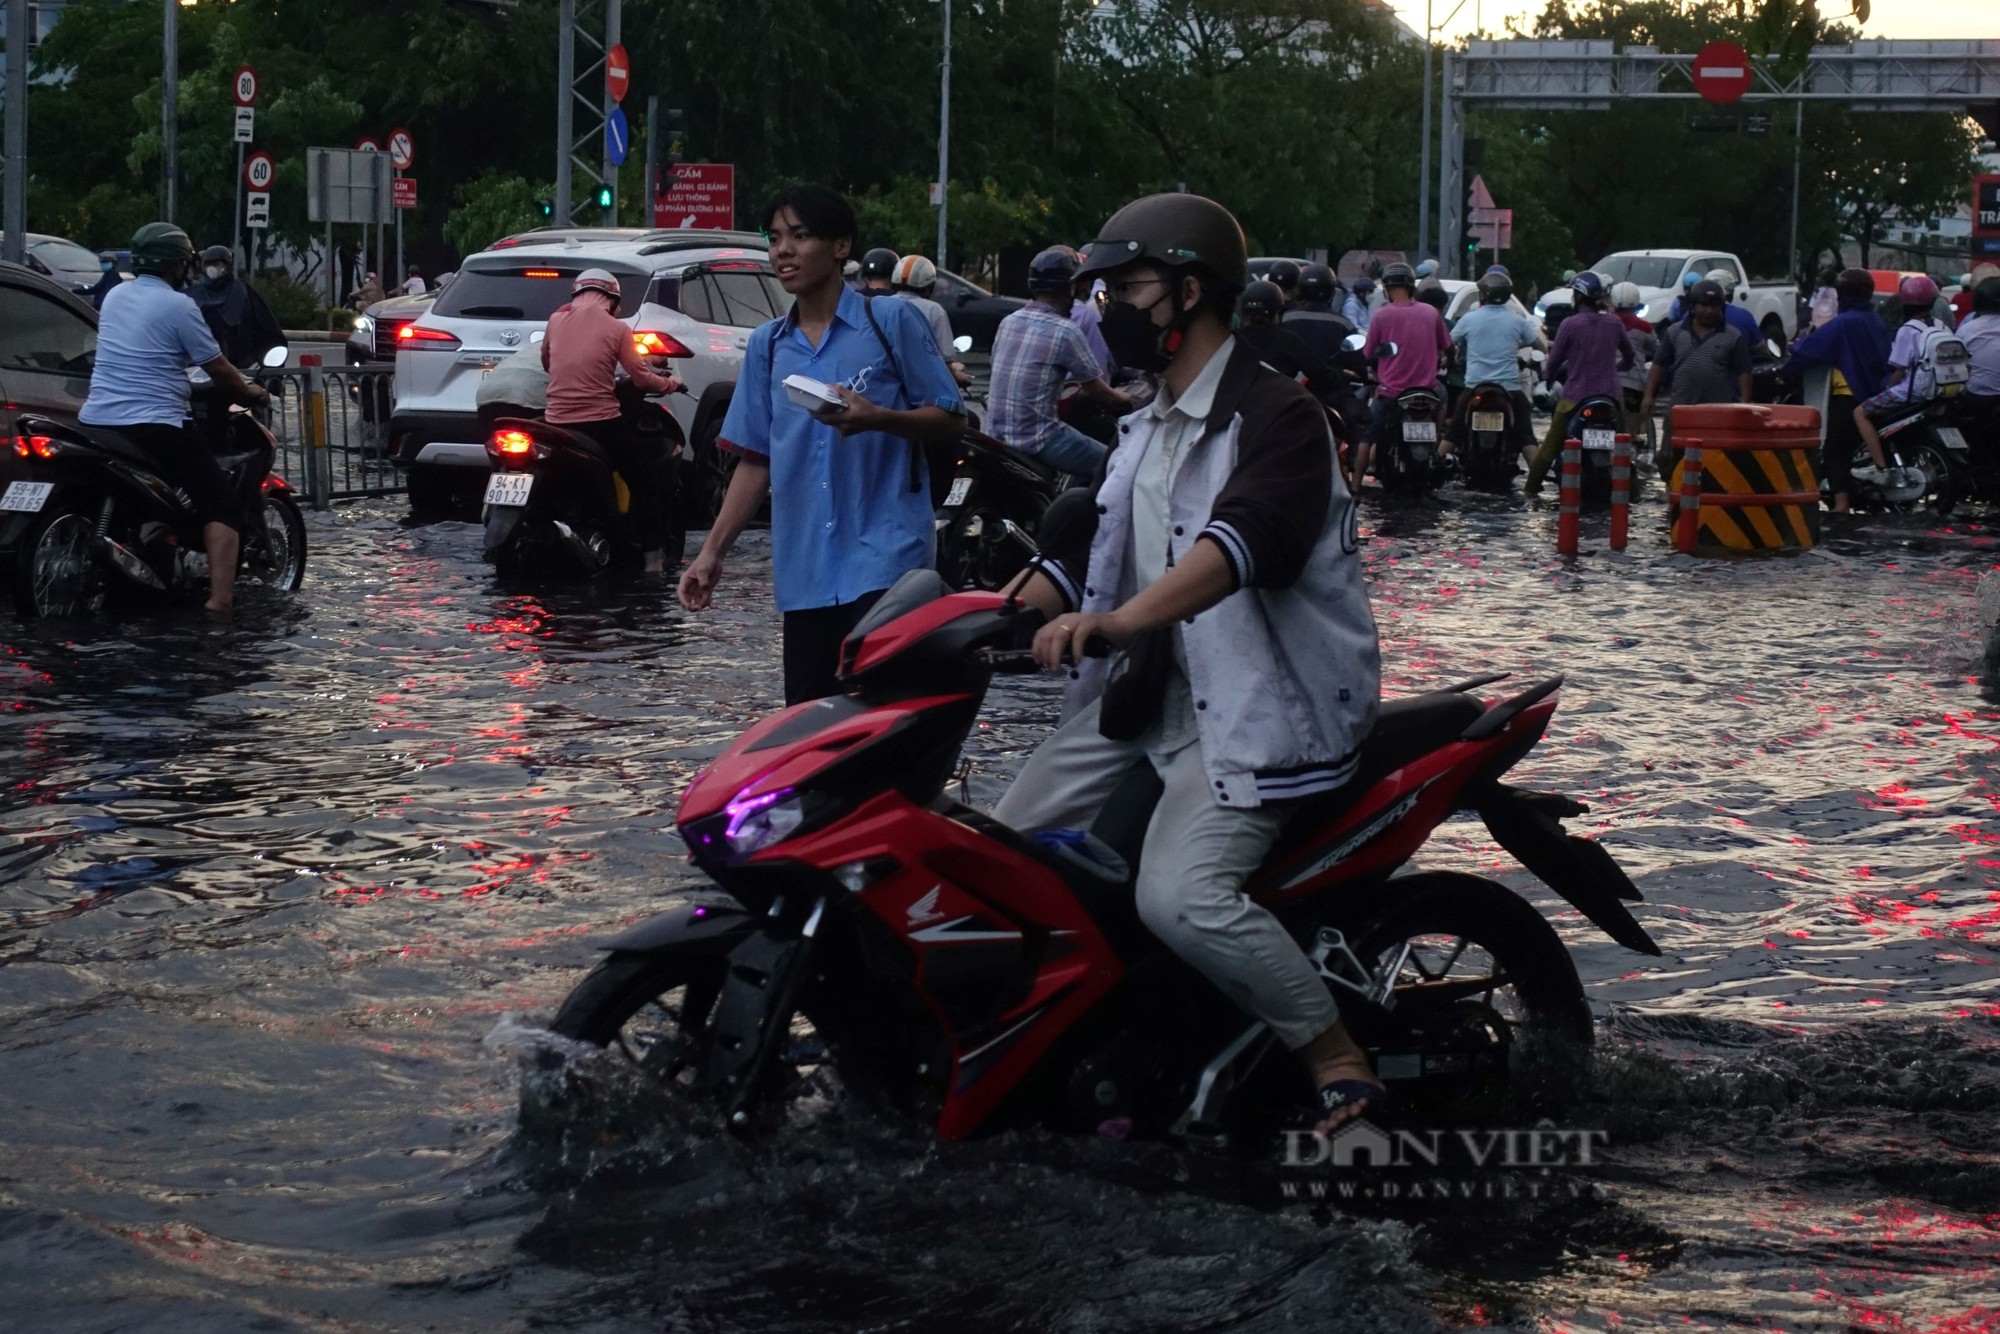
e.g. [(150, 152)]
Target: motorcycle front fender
[(712, 924)]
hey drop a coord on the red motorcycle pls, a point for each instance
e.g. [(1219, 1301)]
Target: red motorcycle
[(951, 968)]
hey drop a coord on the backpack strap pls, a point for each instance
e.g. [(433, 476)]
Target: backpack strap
[(896, 365)]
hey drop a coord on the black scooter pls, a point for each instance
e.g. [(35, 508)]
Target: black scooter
[(987, 521), (1486, 432), (1595, 424), (556, 502), (1407, 461), (95, 521)]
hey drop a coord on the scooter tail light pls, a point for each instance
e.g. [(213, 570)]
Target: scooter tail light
[(653, 343), (35, 447)]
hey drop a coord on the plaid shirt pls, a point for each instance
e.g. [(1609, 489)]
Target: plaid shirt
[(1035, 350)]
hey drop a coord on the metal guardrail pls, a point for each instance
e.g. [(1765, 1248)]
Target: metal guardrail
[(332, 424)]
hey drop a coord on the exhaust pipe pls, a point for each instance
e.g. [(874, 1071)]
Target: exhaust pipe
[(130, 565)]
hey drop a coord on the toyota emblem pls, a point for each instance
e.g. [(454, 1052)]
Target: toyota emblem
[(510, 337)]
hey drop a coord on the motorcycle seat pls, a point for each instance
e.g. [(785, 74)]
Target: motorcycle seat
[(1405, 730), (112, 441), (1028, 461)]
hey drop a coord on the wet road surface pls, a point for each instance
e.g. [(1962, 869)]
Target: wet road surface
[(281, 903)]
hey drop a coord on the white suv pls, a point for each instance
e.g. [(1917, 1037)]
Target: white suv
[(689, 295)]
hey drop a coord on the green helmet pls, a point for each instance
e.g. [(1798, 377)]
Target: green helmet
[(160, 245)]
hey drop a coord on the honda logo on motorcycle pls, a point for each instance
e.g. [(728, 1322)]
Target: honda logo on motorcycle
[(925, 909)]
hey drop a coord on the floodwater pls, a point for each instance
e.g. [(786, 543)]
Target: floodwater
[(281, 904)]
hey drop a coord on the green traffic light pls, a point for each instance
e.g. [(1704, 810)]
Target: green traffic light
[(604, 196)]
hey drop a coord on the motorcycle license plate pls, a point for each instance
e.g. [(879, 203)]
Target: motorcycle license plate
[(509, 488), (26, 497), (961, 487), (1489, 421), (1599, 439), (1953, 438), (1420, 432)]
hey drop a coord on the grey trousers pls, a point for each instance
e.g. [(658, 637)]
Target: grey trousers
[(1196, 857)]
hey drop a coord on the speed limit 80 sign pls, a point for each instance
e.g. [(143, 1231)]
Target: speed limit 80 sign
[(245, 87), (259, 170)]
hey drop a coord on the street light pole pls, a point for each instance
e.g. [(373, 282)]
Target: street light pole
[(944, 139), (14, 210), (565, 96), (170, 98), (1424, 152)]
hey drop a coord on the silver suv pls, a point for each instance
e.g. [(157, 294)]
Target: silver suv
[(691, 296)]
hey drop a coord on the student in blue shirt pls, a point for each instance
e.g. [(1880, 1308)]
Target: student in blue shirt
[(850, 498)]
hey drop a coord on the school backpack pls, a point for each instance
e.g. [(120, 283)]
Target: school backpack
[(1942, 366)]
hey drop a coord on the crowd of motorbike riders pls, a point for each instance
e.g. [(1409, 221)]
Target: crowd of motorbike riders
[(1414, 400)]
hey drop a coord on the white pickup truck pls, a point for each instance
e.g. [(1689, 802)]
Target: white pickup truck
[(1657, 273)]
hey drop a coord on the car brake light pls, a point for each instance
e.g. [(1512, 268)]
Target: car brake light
[(416, 336), (652, 343), (515, 443), (540, 273), (34, 446)]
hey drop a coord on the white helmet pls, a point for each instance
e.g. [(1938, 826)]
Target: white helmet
[(597, 280), (1724, 279), (914, 271), (1625, 296)]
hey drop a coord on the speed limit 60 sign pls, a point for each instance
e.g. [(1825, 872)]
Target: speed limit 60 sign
[(245, 87), (259, 170)]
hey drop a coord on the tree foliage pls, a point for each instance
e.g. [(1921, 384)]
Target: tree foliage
[(1302, 115)]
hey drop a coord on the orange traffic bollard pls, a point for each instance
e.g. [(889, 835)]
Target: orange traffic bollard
[(1758, 487), (1568, 523), (1687, 524), (1621, 490)]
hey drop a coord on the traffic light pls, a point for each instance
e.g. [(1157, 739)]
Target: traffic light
[(548, 207), (676, 135), (604, 196)]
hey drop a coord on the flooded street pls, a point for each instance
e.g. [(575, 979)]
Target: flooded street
[(280, 905)]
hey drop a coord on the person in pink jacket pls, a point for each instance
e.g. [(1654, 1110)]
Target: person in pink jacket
[(582, 350)]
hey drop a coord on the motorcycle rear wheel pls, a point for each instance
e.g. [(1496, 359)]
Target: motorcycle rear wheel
[(1941, 482), (57, 573), (1484, 973), (281, 564)]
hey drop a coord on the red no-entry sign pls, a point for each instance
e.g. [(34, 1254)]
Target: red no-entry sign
[(1722, 72), (617, 73)]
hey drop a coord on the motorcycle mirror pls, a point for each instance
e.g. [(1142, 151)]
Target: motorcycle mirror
[(197, 376), (1353, 342), (1771, 345), (962, 343), (276, 357)]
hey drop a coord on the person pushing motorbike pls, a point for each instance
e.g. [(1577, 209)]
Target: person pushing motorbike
[(1223, 562), (585, 346), (148, 334), (1589, 351)]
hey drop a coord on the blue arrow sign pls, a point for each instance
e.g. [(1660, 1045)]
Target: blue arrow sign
[(617, 137)]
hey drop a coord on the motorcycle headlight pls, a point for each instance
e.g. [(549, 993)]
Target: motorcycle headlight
[(755, 823)]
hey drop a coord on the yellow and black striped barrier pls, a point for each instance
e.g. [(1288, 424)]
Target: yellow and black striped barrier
[(1747, 478)]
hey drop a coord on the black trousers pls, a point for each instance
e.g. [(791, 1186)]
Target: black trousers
[(812, 647), (184, 458), (1843, 437), (640, 467)]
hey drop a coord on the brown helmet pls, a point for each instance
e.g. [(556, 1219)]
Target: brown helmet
[(1176, 230)]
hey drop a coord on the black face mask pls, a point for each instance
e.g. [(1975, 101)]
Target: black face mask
[(1137, 343)]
